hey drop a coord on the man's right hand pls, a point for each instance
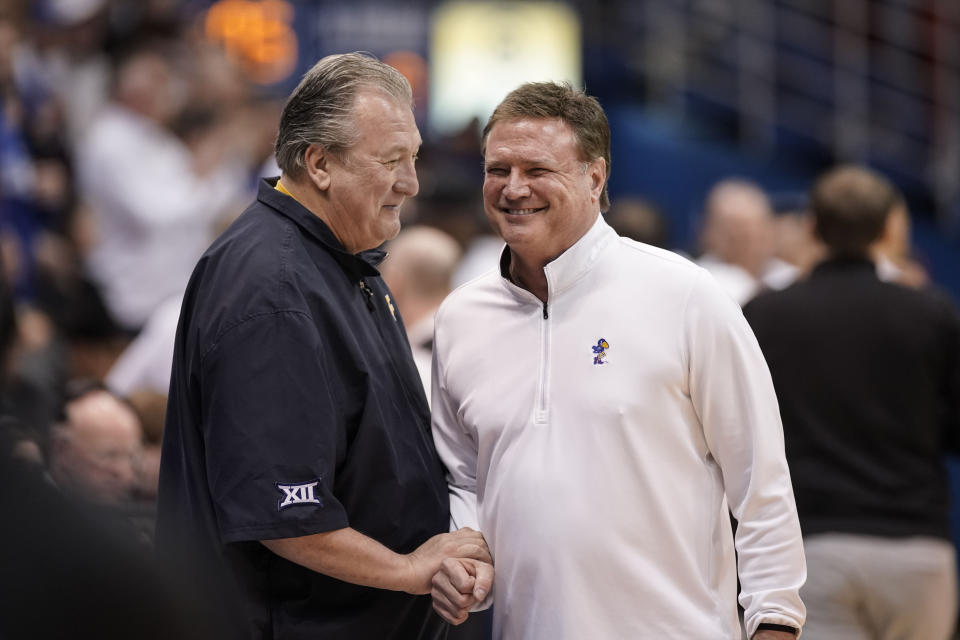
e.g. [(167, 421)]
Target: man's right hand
[(426, 560)]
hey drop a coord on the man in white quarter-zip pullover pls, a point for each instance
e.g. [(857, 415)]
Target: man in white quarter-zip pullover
[(601, 407)]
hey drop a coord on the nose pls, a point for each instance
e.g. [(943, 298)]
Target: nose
[(516, 187), (124, 470), (407, 182)]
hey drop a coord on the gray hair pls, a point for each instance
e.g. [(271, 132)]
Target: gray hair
[(320, 109)]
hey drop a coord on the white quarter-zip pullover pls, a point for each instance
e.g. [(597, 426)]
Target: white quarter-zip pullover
[(598, 439)]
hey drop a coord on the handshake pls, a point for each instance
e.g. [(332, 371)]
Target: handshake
[(456, 569)]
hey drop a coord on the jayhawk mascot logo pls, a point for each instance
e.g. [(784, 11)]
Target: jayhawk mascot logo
[(600, 350)]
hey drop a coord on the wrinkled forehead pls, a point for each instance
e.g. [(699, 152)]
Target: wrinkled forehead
[(531, 139), (384, 123)]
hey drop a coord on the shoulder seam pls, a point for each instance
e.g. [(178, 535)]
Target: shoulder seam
[(253, 316), (674, 257)]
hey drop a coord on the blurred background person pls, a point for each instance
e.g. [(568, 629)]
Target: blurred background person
[(95, 456), (639, 219), (738, 241), (794, 239), (144, 364), (418, 270), (18, 443), (151, 408), (867, 375), (154, 200), (689, 106), (94, 451), (55, 549), (893, 252), (68, 59)]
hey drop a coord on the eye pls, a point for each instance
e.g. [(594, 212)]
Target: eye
[(496, 171), (538, 171)]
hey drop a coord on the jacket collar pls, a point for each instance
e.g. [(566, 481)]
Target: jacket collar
[(356, 266), (571, 265), (847, 264)]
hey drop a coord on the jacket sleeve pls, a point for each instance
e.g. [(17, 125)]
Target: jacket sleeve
[(273, 429), (733, 394)]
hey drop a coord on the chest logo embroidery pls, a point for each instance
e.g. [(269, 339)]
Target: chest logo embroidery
[(294, 494), (393, 311), (600, 351)]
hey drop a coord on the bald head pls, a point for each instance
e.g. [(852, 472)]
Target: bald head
[(419, 268), (738, 225), (94, 450)]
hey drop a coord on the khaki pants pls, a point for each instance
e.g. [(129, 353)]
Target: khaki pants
[(872, 588)]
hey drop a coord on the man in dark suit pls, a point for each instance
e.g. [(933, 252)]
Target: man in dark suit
[(867, 375)]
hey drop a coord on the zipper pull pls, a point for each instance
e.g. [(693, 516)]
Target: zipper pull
[(545, 316), (368, 297)]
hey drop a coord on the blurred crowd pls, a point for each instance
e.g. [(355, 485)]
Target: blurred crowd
[(128, 141)]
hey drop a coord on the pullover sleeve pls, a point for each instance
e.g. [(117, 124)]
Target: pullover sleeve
[(733, 394), (457, 449)]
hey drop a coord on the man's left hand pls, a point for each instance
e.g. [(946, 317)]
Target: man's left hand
[(459, 585)]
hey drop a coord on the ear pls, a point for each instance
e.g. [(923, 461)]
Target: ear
[(597, 172), (59, 444), (317, 160)]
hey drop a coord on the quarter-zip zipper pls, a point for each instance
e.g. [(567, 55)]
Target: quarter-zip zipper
[(542, 411)]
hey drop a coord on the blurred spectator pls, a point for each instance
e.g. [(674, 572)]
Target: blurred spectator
[(19, 443), (639, 220), (797, 243), (67, 574), (738, 241), (95, 449), (892, 251), (154, 199), (418, 270), (68, 58), (481, 252), (35, 371), (18, 223), (92, 338), (867, 375), (145, 363), (794, 239), (151, 408), (142, 375)]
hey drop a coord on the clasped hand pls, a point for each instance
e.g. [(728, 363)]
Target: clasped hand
[(455, 569), (460, 585)]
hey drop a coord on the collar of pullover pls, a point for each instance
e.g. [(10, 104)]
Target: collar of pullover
[(571, 265)]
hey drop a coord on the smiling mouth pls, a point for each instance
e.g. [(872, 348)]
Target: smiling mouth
[(521, 212)]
